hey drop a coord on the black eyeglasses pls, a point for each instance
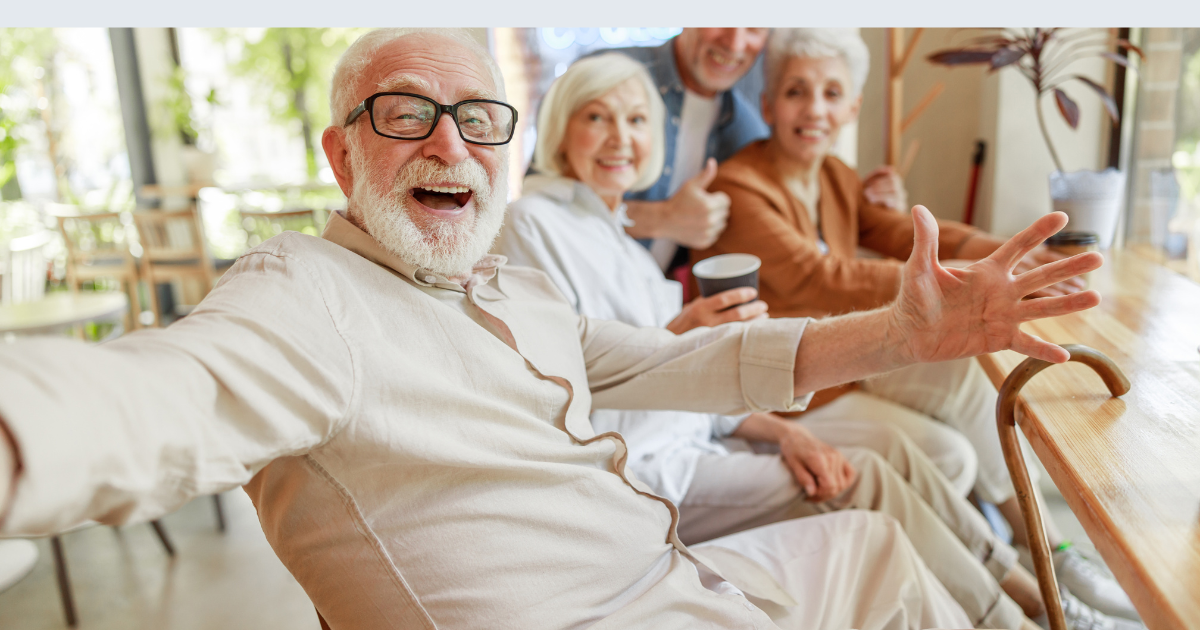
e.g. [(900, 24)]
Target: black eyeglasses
[(405, 116)]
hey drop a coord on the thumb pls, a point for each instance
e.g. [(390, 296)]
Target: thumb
[(925, 237), (708, 174)]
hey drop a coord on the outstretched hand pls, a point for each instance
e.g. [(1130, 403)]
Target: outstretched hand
[(943, 314)]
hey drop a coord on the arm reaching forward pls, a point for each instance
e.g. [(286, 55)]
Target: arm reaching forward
[(943, 314)]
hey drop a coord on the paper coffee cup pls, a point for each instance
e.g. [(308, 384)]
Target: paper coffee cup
[(725, 272)]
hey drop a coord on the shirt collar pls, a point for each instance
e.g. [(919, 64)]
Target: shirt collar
[(572, 191), (341, 231)]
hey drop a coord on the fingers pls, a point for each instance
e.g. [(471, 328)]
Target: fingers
[(1013, 250), (925, 238), (732, 297), (706, 176), (848, 472), (828, 477), (751, 310), (1054, 306), (1058, 271), (1037, 348)]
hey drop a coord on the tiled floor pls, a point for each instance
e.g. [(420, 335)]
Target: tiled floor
[(123, 580)]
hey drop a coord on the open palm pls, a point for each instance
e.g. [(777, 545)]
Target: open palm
[(944, 314)]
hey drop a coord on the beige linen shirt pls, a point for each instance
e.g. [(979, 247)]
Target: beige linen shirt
[(412, 468)]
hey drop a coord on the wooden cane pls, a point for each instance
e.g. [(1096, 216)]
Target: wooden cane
[(1006, 412)]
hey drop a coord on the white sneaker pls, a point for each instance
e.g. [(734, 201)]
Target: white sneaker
[(1086, 581), (1079, 616)]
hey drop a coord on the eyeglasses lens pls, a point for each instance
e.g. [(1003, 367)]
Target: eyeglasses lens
[(409, 117)]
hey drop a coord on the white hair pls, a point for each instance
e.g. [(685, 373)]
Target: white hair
[(816, 43), (586, 80), (360, 54)]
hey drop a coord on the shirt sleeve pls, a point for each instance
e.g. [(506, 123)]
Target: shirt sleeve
[(724, 426), (729, 369), (129, 430)]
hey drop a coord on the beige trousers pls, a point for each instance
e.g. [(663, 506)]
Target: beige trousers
[(956, 393), (849, 569), (739, 491)]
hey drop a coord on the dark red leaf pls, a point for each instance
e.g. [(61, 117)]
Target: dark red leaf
[(1125, 43), (1115, 58), (1067, 107), (1005, 57), (1109, 103), (959, 56)]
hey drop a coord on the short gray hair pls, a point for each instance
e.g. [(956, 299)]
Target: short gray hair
[(816, 43), (360, 54), (586, 80)]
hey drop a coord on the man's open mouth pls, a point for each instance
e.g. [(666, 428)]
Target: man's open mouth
[(442, 197)]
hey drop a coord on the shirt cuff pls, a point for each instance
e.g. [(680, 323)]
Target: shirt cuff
[(724, 426), (768, 365)]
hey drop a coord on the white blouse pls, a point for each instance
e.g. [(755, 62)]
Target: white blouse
[(562, 227)]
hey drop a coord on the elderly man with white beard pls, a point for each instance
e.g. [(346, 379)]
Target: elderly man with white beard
[(410, 416)]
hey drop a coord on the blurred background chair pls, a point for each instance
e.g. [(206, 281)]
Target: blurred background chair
[(261, 225), (100, 247), (174, 249)]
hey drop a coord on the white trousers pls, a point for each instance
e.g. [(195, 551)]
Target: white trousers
[(850, 569), (959, 394)]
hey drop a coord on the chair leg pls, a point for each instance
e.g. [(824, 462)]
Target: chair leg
[(162, 537), (152, 291), (135, 303), (220, 510), (64, 580)]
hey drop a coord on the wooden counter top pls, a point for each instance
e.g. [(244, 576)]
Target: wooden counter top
[(1128, 467)]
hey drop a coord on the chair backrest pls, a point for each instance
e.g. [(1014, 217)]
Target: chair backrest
[(260, 225), (89, 238), (171, 236), (24, 269)]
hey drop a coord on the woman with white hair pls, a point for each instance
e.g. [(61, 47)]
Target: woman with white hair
[(805, 214), (600, 136)]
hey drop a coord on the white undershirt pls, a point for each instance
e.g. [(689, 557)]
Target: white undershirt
[(809, 196), (696, 122)]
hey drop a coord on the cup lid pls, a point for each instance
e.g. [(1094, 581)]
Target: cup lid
[(726, 266), (1073, 238)]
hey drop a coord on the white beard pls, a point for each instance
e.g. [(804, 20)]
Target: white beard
[(447, 248)]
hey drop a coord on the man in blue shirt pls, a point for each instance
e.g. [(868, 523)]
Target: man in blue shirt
[(707, 121)]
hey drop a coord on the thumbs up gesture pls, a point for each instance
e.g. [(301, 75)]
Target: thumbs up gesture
[(694, 217)]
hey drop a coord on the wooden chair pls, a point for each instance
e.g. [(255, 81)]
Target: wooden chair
[(174, 248), (260, 225), (98, 246)]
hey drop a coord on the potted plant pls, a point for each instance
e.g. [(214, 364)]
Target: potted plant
[(1091, 199), (177, 103)]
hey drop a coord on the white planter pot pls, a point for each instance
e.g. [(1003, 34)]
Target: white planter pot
[(1092, 201)]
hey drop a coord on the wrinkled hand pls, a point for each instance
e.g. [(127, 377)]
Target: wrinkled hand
[(819, 468), (884, 186), (943, 314), (715, 310), (694, 217)]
